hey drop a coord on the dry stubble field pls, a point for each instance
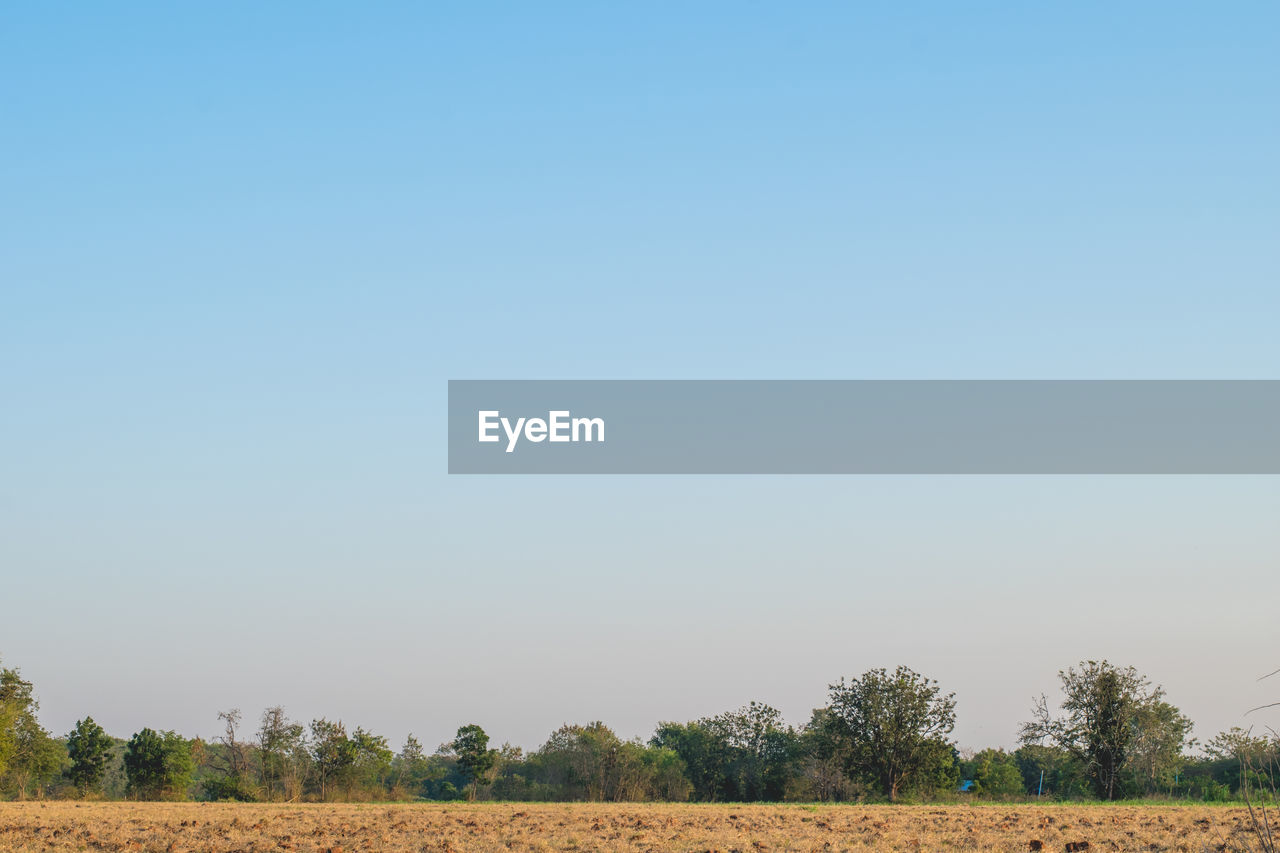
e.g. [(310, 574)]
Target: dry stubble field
[(173, 827)]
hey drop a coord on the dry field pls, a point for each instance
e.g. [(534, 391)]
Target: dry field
[(483, 827)]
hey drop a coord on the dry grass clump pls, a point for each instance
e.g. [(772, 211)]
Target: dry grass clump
[(483, 827)]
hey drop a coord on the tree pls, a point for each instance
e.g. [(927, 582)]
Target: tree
[(412, 770), (896, 726), (1240, 745), (995, 773), (89, 748), (372, 760), (334, 754), (1155, 757), (16, 705), (233, 783), (827, 758), (237, 764), (37, 760), (591, 763), (29, 756), (282, 755), (667, 778), (1048, 770), (703, 752), (743, 755), (761, 749), (158, 765), (475, 759), (1109, 714)]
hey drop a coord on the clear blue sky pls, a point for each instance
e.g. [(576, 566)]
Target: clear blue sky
[(243, 247)]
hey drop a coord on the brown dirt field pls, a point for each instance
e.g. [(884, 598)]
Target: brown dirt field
[(199, 827)]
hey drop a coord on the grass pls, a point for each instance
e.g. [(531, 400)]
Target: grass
[(581, 827)]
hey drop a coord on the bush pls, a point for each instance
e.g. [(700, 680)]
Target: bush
[(227, 788)]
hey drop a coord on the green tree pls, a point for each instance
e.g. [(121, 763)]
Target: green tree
[(282, 755), (896, 725), (17, 705), (995, 773), (744, 755), (510, 774), (1240, 745), (1104, 711), (29, 756), (334, 755), (939, 769), (592, 763), (827, 756), (1049, 770), (37, 759), (1161, 733), (475, 759), (373, 757), (761, 749), (89, 748), (667, 778), (704, 753), (230, 763), (158, 765), (413, 771)]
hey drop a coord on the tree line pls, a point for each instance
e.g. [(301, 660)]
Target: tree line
[(883, 736)]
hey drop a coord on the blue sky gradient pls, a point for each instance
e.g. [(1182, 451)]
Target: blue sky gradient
[(243, 248)]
